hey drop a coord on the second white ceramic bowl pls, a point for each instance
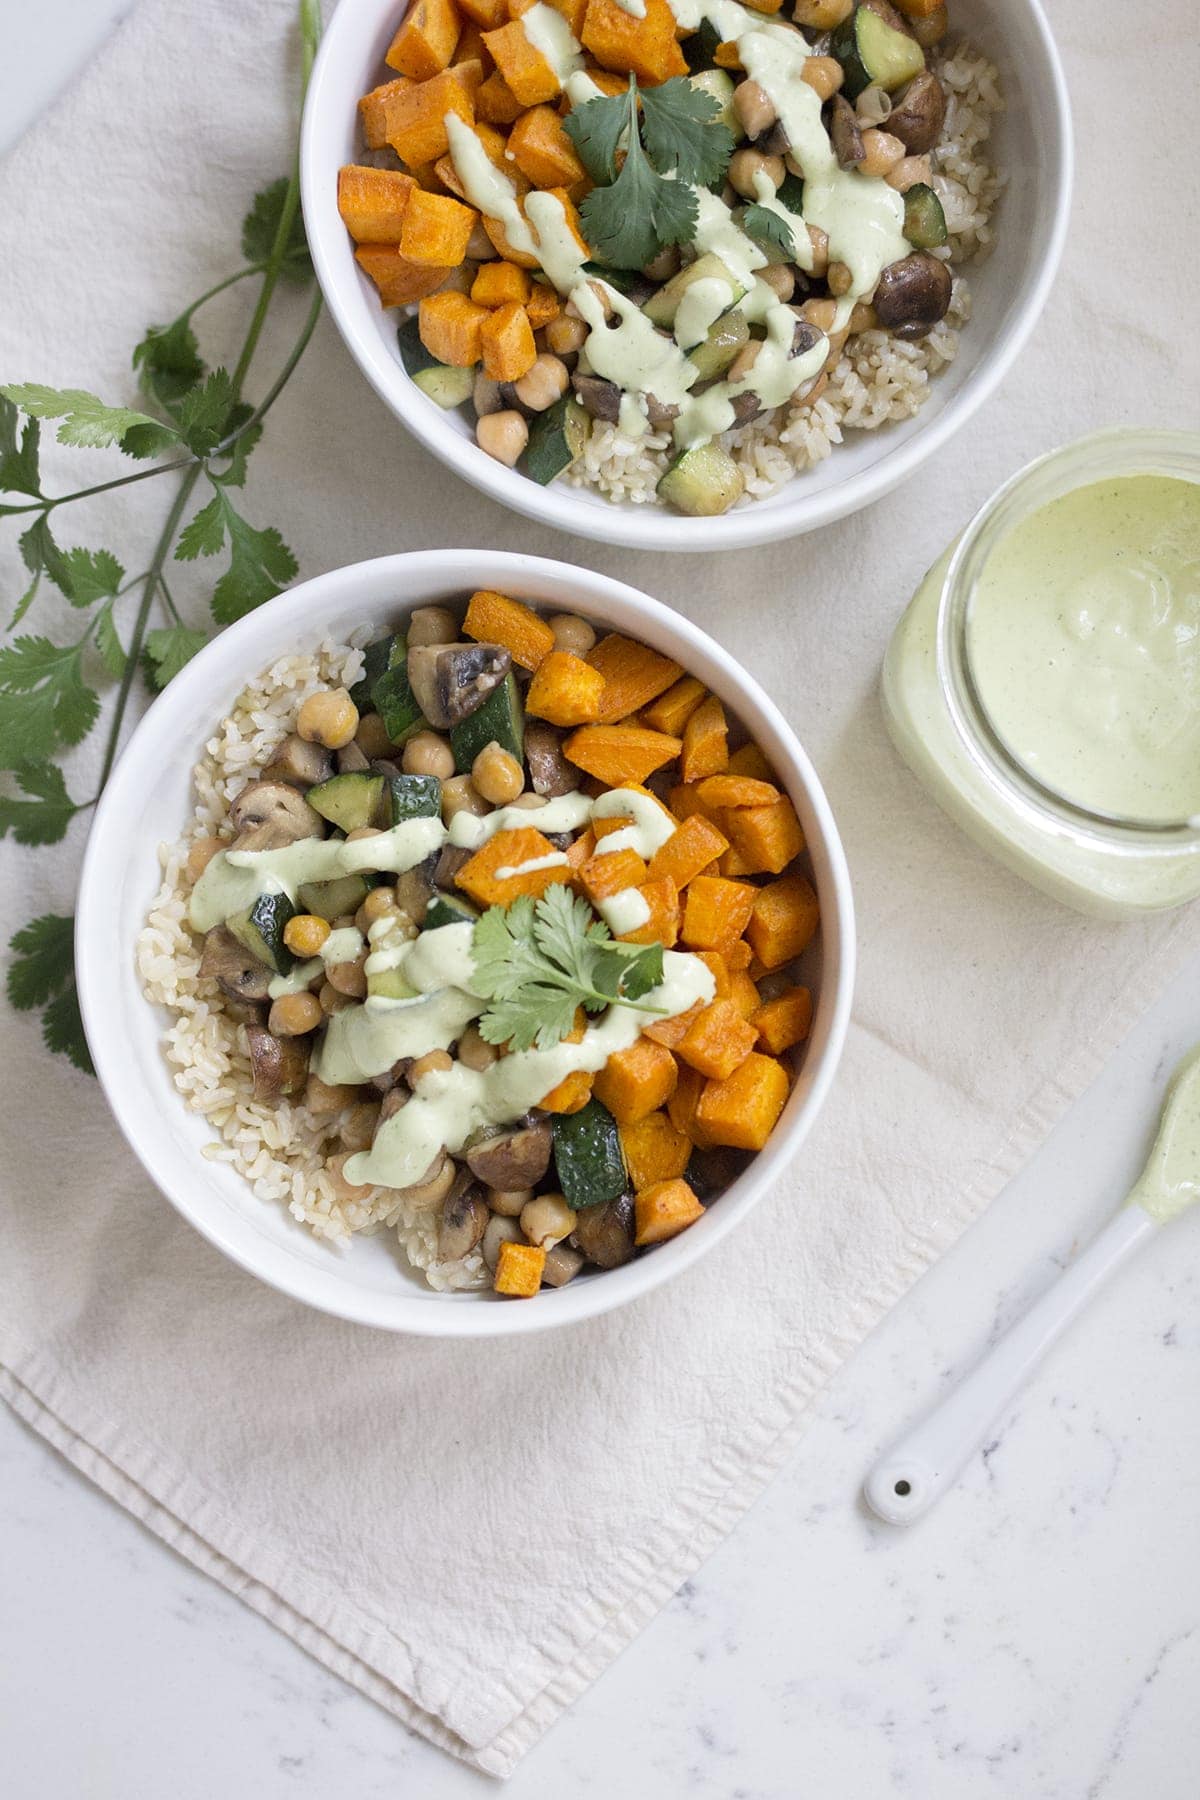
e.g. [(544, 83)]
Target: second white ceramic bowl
[(1031, 145), (148, 801)]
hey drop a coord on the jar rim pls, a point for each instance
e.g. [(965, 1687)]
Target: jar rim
[(1113, 453)]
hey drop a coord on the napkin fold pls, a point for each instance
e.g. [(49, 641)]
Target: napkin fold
[(469, 1534)]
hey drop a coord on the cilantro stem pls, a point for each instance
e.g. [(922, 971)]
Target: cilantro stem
[(167, 597), (281, 380)]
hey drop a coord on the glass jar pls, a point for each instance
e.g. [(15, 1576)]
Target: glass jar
[(1094, 860)]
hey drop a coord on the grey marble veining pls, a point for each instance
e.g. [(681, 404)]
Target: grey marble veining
[(1036, 1637)]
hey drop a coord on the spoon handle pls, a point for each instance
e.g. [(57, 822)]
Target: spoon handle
[(930, 1457)]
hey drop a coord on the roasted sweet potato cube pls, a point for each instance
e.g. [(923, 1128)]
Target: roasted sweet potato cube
[(618, 753), (636, 1081), (530, 78), (672, 1032), (436, 229), (494, 618), (519, 1270), (718, 792), (565, 690), (399, 280), (542, 150), (719, 1041), (784, 920), (493, 142), (487, 14), (742, 1110), (634, 674), (672, 710), (662, 927), (496, 101), (619, 40), (451, 327), (684, 1105), (542, 305), (571, 10), (418, 116), (608, 873), (784, 1021), (654, 1150), (570, 1096), (426, 41), (743, 995), (694, 845), (663, 1211), (375, 111), (507, 343), (716, 912), (766, 838), (718, 968), (481, 877), (498, 282), (705, 749), (749, 760), (373, 203)]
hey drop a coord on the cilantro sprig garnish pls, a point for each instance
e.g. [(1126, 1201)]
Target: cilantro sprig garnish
[(675, 143), (198, 428), (537, 961)]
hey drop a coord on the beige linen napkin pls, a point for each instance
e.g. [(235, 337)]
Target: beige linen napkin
[(471, 1533)]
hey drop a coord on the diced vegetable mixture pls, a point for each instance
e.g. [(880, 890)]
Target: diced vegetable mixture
[(661, 215), (518, 916)]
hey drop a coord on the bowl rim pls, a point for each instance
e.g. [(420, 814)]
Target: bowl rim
[(106, 853), (653, 527)]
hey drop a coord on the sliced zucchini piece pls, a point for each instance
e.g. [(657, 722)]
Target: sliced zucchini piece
[(414, 797), (661, 307), (702, 482), (719, 87), (872, 51), (700, 48), (333, 899), (556, 438), (924, 219), (413, 353), (350, 801), (375, 661), (726, 337), (448, 909), (260, 928), (588, 1156), (447, 387), (392, 695), (390, 984), (500, 720), (624, 280)]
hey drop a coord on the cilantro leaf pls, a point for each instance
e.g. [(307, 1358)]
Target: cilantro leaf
[(683, 134), (45, 699), (108, 644), (18, 461), (791, 193), (42, 973), (169, 361), (243, 446), (631, 220), (260, 564), (204, 411), (167, 650), (93, 575), (41, 556), (767, 228), (43, 817), (87, 422), (204, 533), (150, 438), (595, 129), (261, 226)]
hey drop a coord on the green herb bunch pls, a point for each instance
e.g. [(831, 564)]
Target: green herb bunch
[(537, 961), (202, 431), (671, 145)]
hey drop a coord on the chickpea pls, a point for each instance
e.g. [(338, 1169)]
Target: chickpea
[(747, 167), (599, 294), (304, 934), (499, 1231), (461, 795), (823, 74), (434, 1062), (547, 1220), (503, 435), (379, 904), (349, 978), (292, 1015), (744, 361), (509, 1203), (571, 633), (372, 738), (565, 336), (863, 318), (345, 1190), (840, 278), (814, 390), (820, 250), (780, 279), (357, 1130), (820, 313), (362, 831), (329, 718), (909, 172), (543, 384), (331, 1001), (474, 1051), (881, 152), (323, 1099), (498, 776), (754, 107), (432, 625), (480, 247), (931, 29), (428, 754), (201, 854), (664, 265), (822, 15), (485, 396)]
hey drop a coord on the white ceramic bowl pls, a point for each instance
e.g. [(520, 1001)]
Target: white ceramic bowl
[(147, 802), (1032, 144)]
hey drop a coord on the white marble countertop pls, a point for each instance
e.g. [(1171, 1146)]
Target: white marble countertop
[(1036, 1638)]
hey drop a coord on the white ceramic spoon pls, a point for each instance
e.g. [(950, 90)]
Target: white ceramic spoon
[(931, 1456)]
